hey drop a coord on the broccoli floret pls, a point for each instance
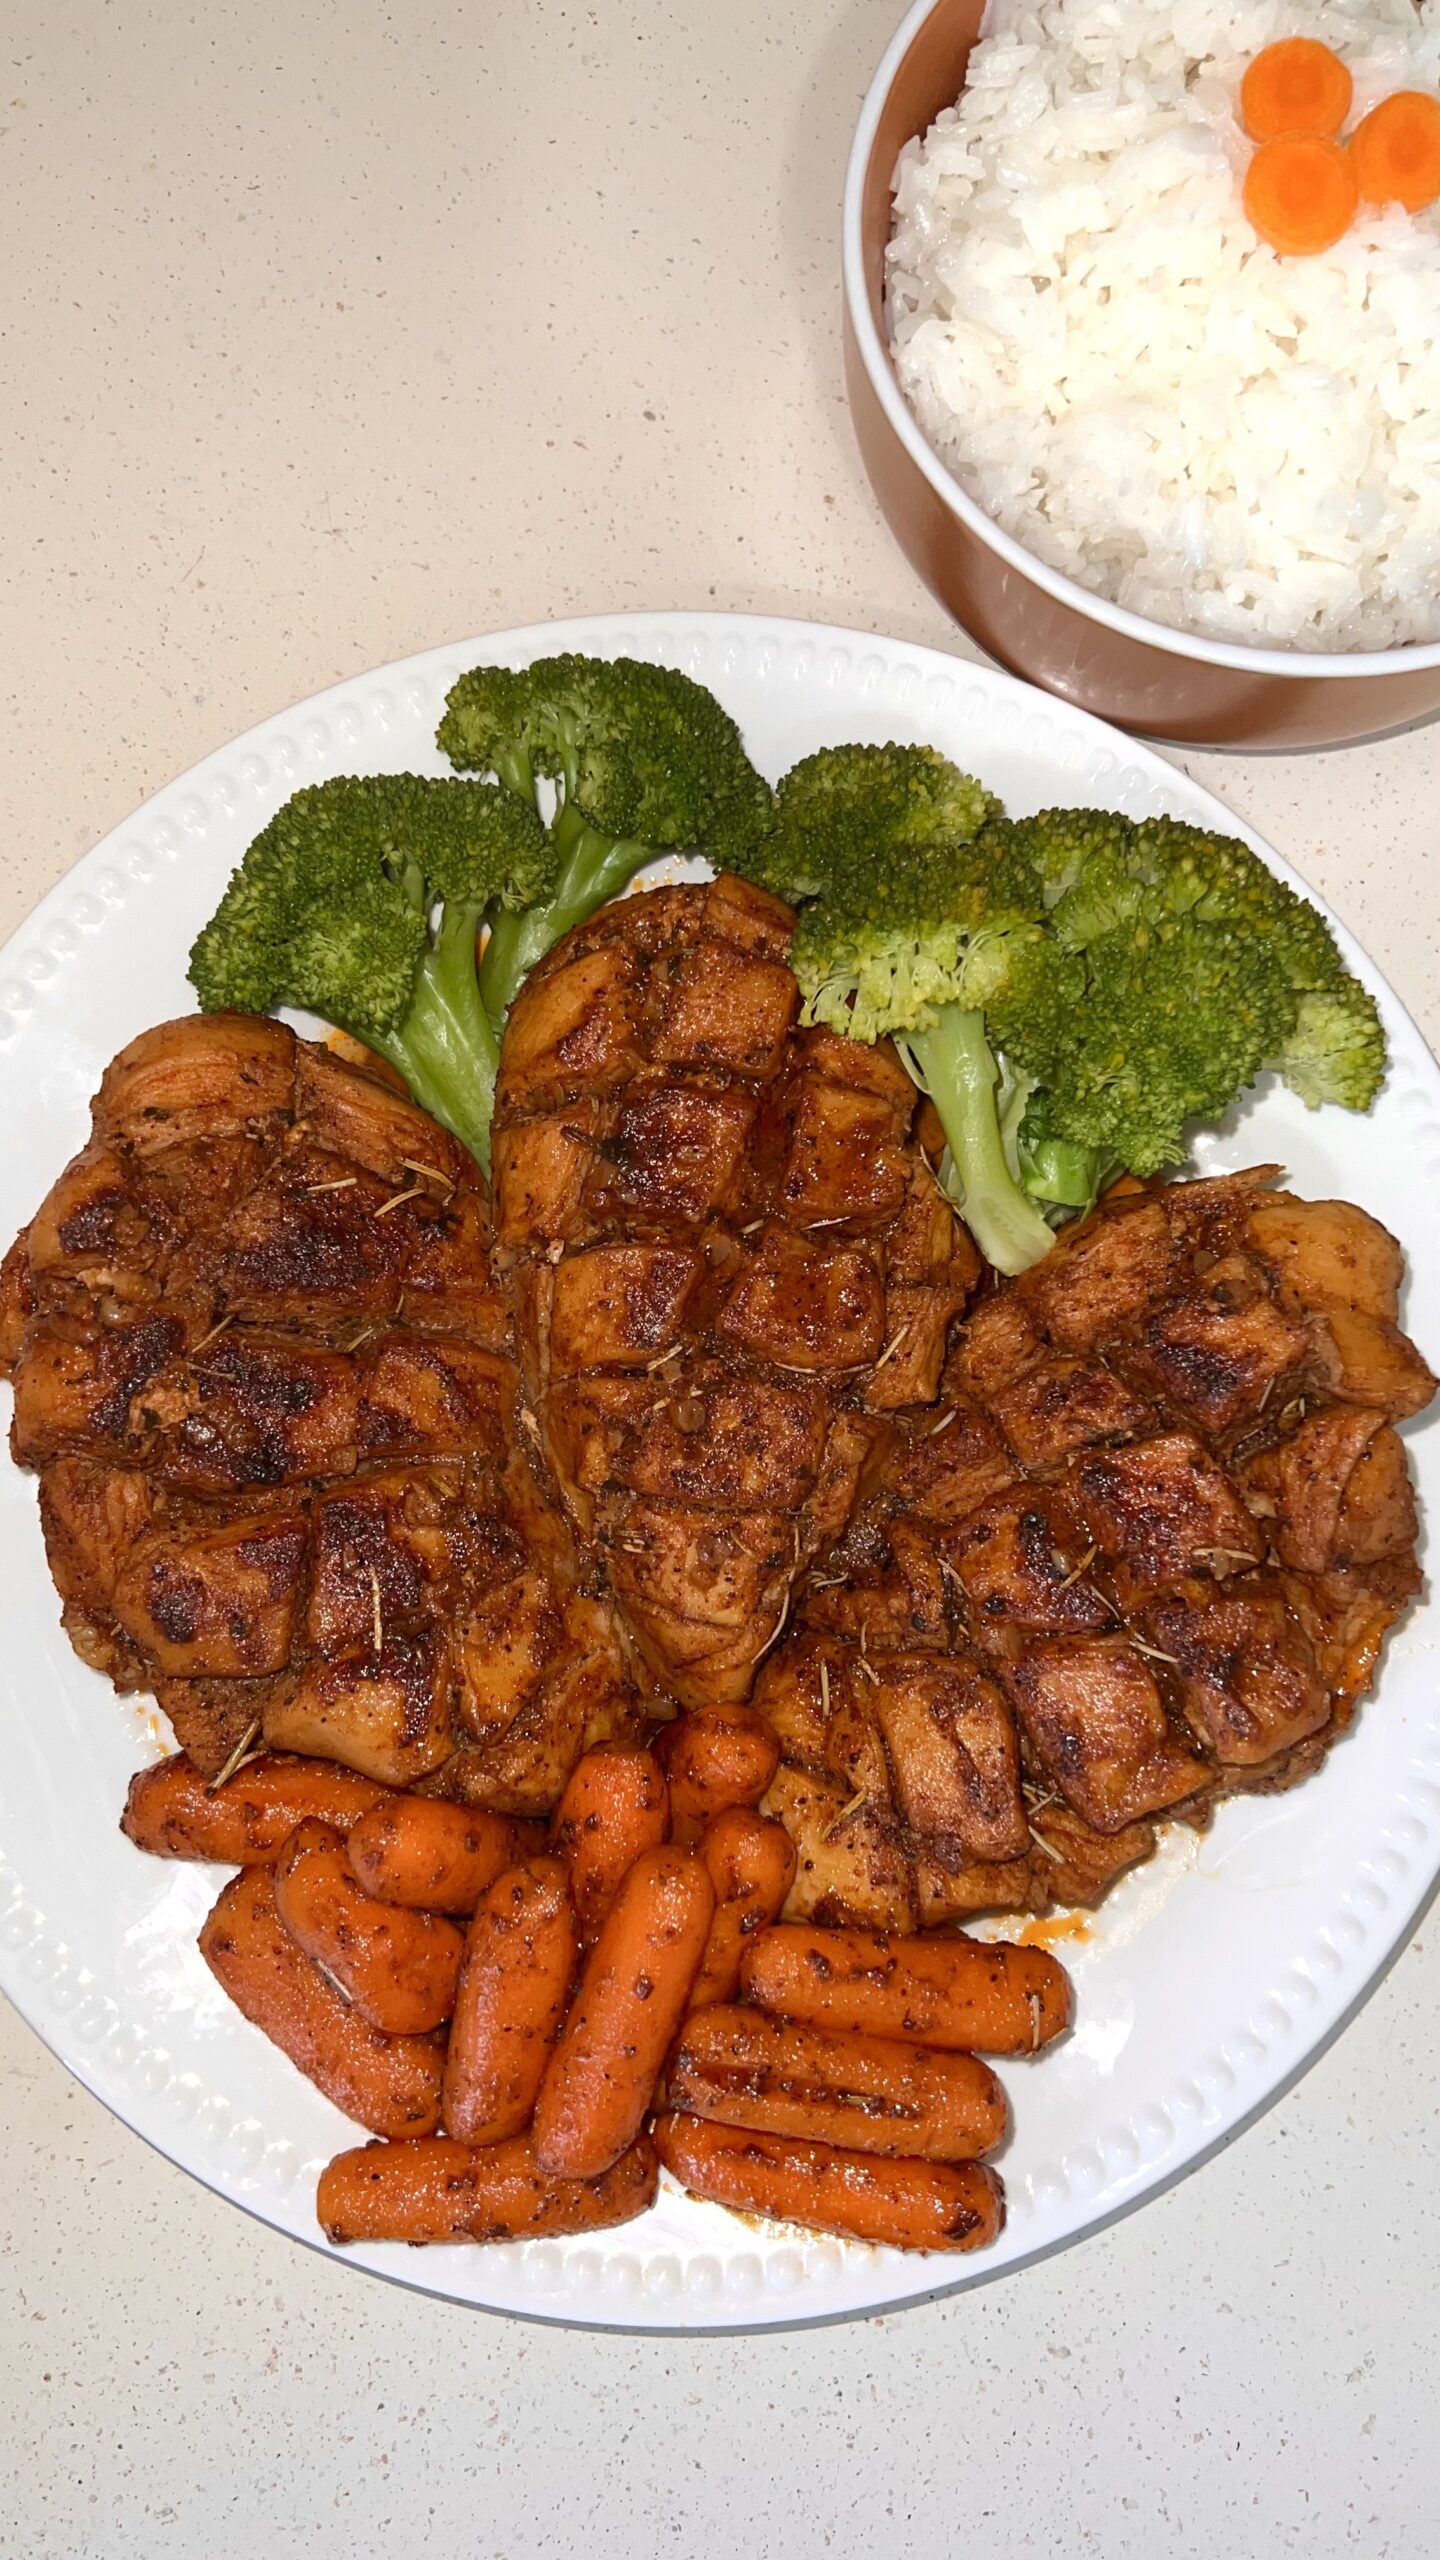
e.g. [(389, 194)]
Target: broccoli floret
[(1200, 969), (362, 901), (831, 809), (1335, 1051), (643, 761), (1072, 991)]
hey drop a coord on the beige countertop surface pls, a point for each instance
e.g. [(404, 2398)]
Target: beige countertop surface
[(332, 333)]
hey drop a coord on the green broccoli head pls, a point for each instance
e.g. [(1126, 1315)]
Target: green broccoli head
[(1061, 844), (1167, 1027), (866, 967), (644, 761), (497, 720), (362, 900), (843, 815), (903, 871), (239, 959), (353, 957), (640, 752), (1197, 967)]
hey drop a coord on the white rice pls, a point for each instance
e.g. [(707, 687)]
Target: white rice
[(1124, 377)]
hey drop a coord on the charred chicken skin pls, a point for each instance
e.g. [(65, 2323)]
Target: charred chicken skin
[(727, 1262), (1142, 1554), (264, 1377)]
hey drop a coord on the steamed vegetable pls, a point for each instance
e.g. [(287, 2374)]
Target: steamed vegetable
[(1395, 151), (362, 901), (1296, 86), (1301, 193), (643, 761), (1072, 991)]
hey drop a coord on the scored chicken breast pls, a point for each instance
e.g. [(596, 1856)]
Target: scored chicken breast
[(1143, 1555), (264, 1376), (727, 1262)]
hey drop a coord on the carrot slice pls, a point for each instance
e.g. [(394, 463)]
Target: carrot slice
[(1395, 151), (1297, 86), (1301, 194)]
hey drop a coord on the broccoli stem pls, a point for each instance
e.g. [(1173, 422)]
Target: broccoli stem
[(594, 867), (445, 1048), (961, 1077)]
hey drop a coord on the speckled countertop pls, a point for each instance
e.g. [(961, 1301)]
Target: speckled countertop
[(331, 332)]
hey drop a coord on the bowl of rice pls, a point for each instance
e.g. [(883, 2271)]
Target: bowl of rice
[(1151, 464)]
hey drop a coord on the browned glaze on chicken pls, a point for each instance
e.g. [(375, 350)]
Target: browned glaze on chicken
[(1144, 1554), (264, 1376), (727, 1262)]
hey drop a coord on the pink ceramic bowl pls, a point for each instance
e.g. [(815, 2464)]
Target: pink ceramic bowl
[(1139, 673)]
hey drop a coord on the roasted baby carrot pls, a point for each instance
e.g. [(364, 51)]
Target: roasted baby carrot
[(390, 2083), (400, 1968), (896, 2204), (173, 1812), (751, 1864), (714, 1757), (1296, 86), (632, 1995), (1301, 193), (439, 2190), (866, 2093), (429, 1856), (947, 1991), (519, 1964), (1395, 151), (615, 1804)]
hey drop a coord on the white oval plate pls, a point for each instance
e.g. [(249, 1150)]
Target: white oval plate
[(1208, 1980)]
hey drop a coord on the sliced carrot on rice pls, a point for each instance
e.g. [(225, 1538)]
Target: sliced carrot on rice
[(1396, 151), (1301, 194), (1298, 86)]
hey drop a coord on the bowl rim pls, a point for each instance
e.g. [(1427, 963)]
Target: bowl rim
[(1332, 665)]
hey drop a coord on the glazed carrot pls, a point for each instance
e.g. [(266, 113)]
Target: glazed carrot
[(439, 2190), (1395, 151), (1297, 86), (948, 1991), (1301, 194), (172, 1811), (399, 1968), (595, 2094), (390, 2083), (896, 2204), (751, 1864), (866, 2093), (615, 1804), (430, 1856), (714, 1757), (519, 1964)]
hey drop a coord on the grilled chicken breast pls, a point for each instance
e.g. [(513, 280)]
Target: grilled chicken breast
[(264, 1376), (1127, 1539), (727, 1262), (1143, 1555)]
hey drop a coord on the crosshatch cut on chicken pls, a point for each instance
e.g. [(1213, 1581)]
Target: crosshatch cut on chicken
[(264, 1377), (1144, 1554), (727, 1260)]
